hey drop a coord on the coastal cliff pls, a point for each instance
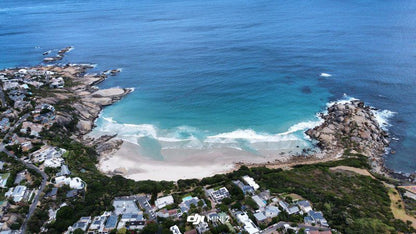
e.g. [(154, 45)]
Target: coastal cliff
[(352, 126), (85, 100)]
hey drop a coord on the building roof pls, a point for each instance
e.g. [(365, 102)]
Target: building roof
[(250, 181), (304, 203), (308, 219), (72, 193), (111, 221), (125, 206), (260, 216), (316, 215), (52, 193), (133, 217), (272, 209), (164, 201), (260, 202)]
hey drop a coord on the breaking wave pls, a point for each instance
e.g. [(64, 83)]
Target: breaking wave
[(382, 116), (250, 140), (190, 137)]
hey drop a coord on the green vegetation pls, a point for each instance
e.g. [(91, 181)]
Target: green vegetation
[(101, 190), (351, 203)]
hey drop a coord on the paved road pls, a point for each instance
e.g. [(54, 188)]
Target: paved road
[(41, 188), (21, 120), (35, 201)]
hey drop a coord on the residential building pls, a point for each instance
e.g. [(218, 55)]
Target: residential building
[(250, 181), (97, 225), (218, 195), (202, 227), (167, 213), (81, 224), (260, 202), (72, 193), (164, 201), (249, 225), (74, 183), (52, 156), (20, 177), (17, 193), (4, 124), (247, 189), (64, 171), (52, 194), (224, 218), (175, 230), (318, 218), (132, 221), (271, 211), (125, 206), (26, 146), (260, 217), (111, 223), (3, 179), (187, 202), (305, 206), (290, 209), (265, 195)]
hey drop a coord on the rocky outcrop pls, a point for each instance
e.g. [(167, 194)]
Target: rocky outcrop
[(59, 56), (105, 145), (352, 126)]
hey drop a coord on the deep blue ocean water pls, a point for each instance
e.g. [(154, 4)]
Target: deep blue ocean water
[(234, 73)]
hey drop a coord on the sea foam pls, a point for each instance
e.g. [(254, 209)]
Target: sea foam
[(323, 74), (193, 138), (382, 116)]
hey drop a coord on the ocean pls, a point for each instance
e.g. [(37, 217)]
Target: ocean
[(247, 75)]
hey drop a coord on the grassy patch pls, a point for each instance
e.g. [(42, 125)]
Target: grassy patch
[(398, 208)]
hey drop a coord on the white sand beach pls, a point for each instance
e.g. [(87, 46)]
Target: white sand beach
[(177, 164)]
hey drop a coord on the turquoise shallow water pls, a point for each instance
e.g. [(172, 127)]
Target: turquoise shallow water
[(239, 74)]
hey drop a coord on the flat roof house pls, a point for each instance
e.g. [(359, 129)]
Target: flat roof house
[(250, 181), (164, 201), (249, 226), (218, 195)]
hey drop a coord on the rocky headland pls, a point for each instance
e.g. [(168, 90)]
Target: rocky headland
[(72, 90), (348, 126), (351, 126), (85, 100)]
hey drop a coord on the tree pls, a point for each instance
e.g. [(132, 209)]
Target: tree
[(122, 230), (151, 228), (78, 231)]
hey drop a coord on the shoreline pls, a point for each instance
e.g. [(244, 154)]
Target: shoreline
[(193, 164), (128, 162), (347, 125)]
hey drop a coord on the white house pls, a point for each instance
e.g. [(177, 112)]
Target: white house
[(175, 230), (260, 202), (74, 183), (305, 206), (271, 211), (249, 226), (164, 201), (250, 181), (16, 193)]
